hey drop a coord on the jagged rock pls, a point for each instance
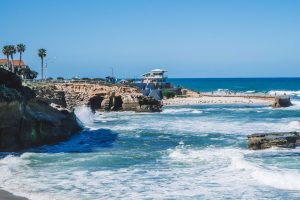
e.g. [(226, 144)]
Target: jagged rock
[(267, 140), (97, 96), (281, 102), (27, 122), (24, 125), (51, 96)]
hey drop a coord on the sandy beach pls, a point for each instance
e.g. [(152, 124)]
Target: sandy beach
[(218, 100), (4, 195)]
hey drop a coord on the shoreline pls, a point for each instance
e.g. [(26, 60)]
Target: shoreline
[(218, 99), (5, 195)]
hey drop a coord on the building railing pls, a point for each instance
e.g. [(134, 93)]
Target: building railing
[(161, 77)]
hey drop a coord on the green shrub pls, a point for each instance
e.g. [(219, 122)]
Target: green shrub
[(60, 78), (168, 94), (27, 73), (98, 79)]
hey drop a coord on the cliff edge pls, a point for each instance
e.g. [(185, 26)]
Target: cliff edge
[(26, 121), (98, 96)]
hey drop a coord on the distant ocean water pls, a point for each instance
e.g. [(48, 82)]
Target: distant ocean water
[(287, 85), (185, 152)]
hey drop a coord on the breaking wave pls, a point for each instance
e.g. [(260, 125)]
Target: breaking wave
[(285, 92)]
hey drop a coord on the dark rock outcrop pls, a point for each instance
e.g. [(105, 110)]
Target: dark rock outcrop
[(24, 125), (27, 122), (137, 103), (9, 79), (281, 102), (268, 140)]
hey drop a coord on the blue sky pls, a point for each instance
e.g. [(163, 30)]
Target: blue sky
[(254, 38)]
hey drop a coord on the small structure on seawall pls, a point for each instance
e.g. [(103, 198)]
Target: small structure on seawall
[(282, 101), (267, 140)]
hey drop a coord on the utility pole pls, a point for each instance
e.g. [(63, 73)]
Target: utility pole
[(112, 72), (46, 65)]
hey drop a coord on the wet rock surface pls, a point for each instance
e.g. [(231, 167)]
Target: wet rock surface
[(268, 140), (24, 125), (281, 102), (26, 122)]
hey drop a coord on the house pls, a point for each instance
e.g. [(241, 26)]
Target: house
[(156, 77), (17, 64), (153, 83)]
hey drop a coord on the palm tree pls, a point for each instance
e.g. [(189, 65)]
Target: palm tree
[(12, 51), (21, 49), (6, 51), (42, 54)]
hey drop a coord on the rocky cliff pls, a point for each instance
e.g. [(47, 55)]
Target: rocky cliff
[(25, 121), (98, 96)]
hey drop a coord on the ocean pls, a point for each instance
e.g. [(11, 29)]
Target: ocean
[(184, 152)]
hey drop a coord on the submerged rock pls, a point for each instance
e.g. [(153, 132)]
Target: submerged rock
[(281, 102), (268, 140)]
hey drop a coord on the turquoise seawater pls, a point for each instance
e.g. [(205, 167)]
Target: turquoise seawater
[(184, 152)]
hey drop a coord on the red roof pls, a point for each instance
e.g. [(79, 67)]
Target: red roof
[(16, 62)]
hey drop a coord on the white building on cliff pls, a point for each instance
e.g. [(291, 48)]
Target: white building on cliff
[(156, 77)]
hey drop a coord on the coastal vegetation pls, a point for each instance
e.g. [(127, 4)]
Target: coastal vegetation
[(7, 50), (17, 67), (168, 94), (21, 49), (42, 54), (12, 52), (60, 78), (27, 73)]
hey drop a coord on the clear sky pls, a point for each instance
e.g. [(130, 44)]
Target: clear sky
[(200, 38)]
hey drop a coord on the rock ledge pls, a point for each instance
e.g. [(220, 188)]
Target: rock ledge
[(268, 140)]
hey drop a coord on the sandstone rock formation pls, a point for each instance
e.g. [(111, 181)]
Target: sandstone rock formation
[(267, 140), (98, 96), (27, 122), (189, 93)]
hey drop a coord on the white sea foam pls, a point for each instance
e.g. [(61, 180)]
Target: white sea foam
[(285, 92), (181, 110), (17, 177), (178, 173), (184, 172), (285, 179), (250, 91), (232, 160), (198, 124), (293, 126), (85, 115)]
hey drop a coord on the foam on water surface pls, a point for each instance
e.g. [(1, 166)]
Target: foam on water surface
[(185, 152)]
